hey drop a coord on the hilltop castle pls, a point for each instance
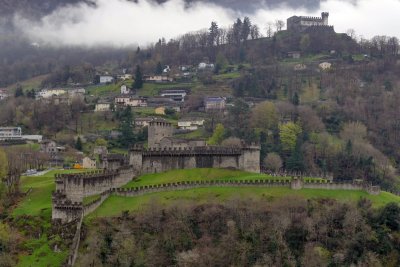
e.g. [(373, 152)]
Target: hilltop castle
[(301, 23)]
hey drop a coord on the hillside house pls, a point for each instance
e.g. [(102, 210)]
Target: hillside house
[(125, 77), (89, 163), (103, 79), (205, 66), (190, 124), (158, 79), (325, 65), (175, 94), (47, 93), (10, 133), (125, 90), (50, 147), (76, 92), (214, 103), (102, 107), (130, 100), (3, 94)]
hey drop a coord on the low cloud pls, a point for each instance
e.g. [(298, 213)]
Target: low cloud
[(118, 22)]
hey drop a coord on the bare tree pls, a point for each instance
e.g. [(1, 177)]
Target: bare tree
[(279, 24)]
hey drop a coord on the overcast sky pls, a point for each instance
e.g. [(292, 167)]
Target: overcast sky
[(119, 22)]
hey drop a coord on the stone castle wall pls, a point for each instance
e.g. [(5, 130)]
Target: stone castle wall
[(155, 160)]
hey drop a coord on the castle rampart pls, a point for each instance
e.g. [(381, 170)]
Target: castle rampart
[(155, 160)]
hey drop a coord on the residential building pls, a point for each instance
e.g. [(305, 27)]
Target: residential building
[(106, 79), (102, 106), (89, 163), (215, 103), (325, 65), (158, 79), (190, 124), (10, 133), (125, 90), (130, 100), (47, 93), (206, 66), (175, 94), (3, 94)]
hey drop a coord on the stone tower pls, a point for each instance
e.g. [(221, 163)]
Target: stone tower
[(158, 129), (325, 16)]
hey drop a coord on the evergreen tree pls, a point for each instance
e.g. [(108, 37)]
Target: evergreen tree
[(19, 91), (127, 136), (138, 78), (296, 162), (159, 69), (296, 99), (78, 144)]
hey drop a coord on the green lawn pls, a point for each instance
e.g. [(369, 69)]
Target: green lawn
[(39, 200), (115, 205)]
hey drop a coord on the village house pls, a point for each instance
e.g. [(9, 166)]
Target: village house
[(214, 103), (130, 100), (299, 67), (325, 65), (47, 93), (10, 133), (50, 147), (89, 163), (157, 79), (3, 94), (175, 94), (102, 107), (205, 66), (76, 92), (125, 90), (190, 124), (106, 79), (125, 77)]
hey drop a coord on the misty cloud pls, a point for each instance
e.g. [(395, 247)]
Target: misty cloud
[(119, 22)]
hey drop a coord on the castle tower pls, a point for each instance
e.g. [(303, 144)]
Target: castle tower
[(325, 16), (158, 129)]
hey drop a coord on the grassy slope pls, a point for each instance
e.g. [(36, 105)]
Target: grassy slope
[(38, 203), (39, 199), (116, 204)]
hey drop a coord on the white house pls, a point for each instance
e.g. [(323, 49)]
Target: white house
[(143, 122), (158, 79), (102, 106), (3, 94), (190, 124), (214, 103), (175, 94), (205, 66), (125, 90), (325, 65), (47, 93), (129, 100), (106, 79), (10, 133), (125, 77)]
